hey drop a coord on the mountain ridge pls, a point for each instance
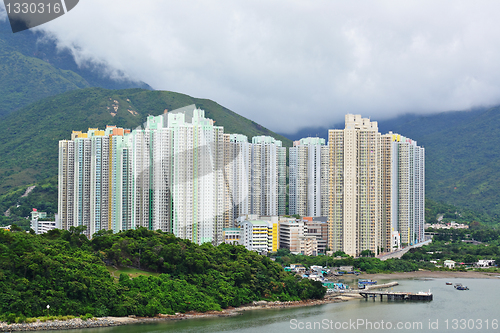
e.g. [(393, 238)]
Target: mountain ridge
[(32, 67)]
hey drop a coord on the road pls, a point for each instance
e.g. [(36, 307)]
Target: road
[(399, 253)]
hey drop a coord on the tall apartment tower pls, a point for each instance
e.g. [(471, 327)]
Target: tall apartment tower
[(376, 189), (268, 177), (307, 160), (88, 166), (404, 200), (66, 181), (238, 177), (354, 186), (198, 184), (120, 172)]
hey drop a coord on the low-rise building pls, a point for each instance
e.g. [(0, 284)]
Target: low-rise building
[(450, 225), (485, 263), (41, 226), (318, 227), (289, 233), (449, 264), (231, 235), (308, 245), (260, 235), (395, 240)]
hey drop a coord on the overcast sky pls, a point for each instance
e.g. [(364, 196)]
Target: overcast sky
[(290, 64)]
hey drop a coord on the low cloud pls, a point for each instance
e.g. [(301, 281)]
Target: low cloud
[(292, 64)]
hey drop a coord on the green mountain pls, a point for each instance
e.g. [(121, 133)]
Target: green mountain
[(24, 80), (32, 68), (29, 137), (462, 156)]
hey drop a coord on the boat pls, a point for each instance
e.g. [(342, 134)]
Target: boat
[(459, 286), (366, 281), (449, 283)]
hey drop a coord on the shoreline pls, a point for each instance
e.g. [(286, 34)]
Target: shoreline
[(431, 275), (78, 323)]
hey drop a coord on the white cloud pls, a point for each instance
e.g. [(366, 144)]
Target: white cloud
[(290, 64)]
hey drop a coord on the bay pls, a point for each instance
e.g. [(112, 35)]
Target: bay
[(474, 310)]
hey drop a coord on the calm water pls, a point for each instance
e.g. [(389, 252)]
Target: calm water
[(475, 310)]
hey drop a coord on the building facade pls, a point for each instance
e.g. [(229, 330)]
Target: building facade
[(375, 188), (306, 162), (178, 173), (268, 177), (181, 173)]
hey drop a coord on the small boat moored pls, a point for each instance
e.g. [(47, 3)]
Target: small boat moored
[(449, 283), (366, 281), (459, 286)]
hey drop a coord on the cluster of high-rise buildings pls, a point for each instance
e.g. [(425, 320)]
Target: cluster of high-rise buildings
[(371, 186), (182, 174)]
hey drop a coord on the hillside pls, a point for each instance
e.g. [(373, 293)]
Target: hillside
[(462, 157), (66, 270), (32, 68), (29, 137), (27, 79)]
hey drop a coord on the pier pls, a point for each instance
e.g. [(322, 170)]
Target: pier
[(397, 295)]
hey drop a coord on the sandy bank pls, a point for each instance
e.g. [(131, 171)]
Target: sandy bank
[(431, 274)]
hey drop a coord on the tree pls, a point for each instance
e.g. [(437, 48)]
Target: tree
[(367, 253)]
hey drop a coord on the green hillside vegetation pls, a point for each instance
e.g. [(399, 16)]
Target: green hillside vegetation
[(32, 68), (29, 137), (462, 157), (448, 213), (66, 270), (15, 208), (449, 245), (24, 80)]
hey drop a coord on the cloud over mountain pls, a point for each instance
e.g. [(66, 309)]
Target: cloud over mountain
[(290, 64)]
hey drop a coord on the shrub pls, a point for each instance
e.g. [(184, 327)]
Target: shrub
[(10, 318), (86, 316)]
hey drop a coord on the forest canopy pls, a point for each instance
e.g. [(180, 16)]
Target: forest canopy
[(67, 271)]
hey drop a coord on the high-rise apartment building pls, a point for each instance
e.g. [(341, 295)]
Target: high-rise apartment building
[(198, 184), (407, 189), (306, 186), (354, 210), (268, 177), (376, 188), (180, 173), (238, 177), (87, 180)]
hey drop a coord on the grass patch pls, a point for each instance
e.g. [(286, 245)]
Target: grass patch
[(131, 272)]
